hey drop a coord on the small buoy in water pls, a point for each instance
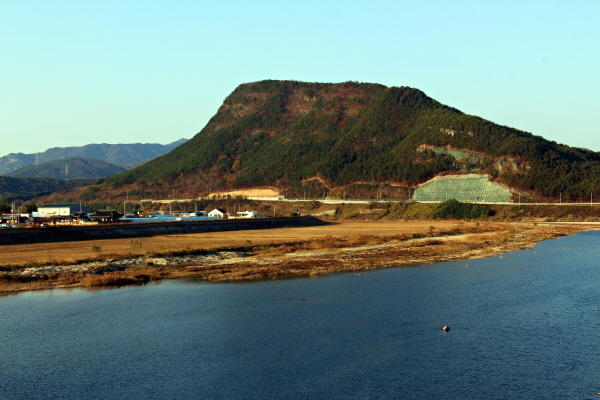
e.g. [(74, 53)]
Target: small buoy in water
[(446, 328)]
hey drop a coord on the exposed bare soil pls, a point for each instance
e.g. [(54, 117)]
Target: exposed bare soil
[(251, 254), (247, 193)]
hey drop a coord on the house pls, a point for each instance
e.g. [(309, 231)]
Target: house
[(58, 220), (218, 212), (106, 216), (55, 210), (80, 216), (37, 221)]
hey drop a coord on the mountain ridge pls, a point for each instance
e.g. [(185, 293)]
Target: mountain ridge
[(68, 168), (118, 154)]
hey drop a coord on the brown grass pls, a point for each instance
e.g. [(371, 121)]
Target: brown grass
[(49, 253), (133, 275), (485, 239), (127, 277), (372, 245), (326, 243)]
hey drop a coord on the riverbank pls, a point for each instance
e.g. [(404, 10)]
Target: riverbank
[(260, 254)]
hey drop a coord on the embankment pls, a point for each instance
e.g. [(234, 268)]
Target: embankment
[(77, 233)]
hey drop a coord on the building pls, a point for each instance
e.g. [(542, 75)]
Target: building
[(56, 210), (218, 212), (106, 216), (37, 221), (11, 219), (80, 216)]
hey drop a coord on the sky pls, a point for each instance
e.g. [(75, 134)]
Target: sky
[(100, 71)]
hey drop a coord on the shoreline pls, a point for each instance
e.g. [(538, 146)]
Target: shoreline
[(308, 258)]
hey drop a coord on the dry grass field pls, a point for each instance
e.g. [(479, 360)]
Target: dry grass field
[(75, 251), (269, 253)]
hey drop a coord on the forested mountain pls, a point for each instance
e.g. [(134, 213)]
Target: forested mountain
[(287, 133), (69, 168), (118, 154)]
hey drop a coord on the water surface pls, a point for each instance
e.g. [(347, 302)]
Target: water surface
[(524, 325)]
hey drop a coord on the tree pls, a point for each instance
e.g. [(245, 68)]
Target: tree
[(5, 208), (29, 208)]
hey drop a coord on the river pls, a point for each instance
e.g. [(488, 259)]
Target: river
[(522, 325)]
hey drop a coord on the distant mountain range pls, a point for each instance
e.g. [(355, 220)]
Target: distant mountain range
[(69, 168), (118, 154)]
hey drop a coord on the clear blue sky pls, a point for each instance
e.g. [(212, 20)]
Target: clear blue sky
[(101, 71)]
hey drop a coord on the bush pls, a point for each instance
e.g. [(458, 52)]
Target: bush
[(455, 209)]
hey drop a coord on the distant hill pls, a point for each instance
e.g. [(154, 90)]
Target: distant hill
[(117, 154), (289, 134), (28, 187), (69, 168)]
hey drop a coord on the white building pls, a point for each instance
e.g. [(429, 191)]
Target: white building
[(218, 212), (54, 210)]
